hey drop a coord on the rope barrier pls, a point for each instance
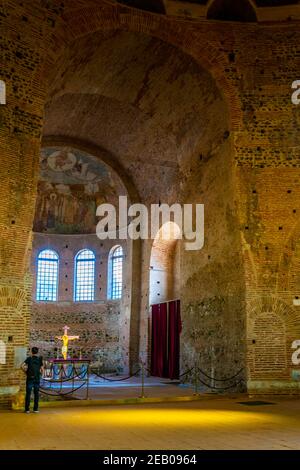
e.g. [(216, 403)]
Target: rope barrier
[(220, 380), (181, 375), (187, 372), (43, 390), (115, 380), (80, 377), (220, 388), (82, 372), (61, 371), (84, 376)]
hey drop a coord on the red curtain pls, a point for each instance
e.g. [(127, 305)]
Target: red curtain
[(174, 339), (159, 351), (165, 348)]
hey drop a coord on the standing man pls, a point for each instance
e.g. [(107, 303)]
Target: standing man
[(33, 368)]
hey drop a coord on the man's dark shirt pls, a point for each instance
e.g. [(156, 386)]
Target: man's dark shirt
[(34, 364)]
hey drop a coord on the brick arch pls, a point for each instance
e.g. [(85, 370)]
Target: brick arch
[(180, 34), (272, 326), (274, 304), (12, 297)]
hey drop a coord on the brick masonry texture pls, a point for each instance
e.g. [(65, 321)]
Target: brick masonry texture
[(231, 141)]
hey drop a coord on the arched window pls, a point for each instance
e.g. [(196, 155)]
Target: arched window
[(84, 276), (115, 273), (47, 276)]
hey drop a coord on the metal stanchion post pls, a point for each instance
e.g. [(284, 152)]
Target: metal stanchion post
[(52, 374), (196, 380), (73, 378), (87, 381), (61, 377), (143, 380)]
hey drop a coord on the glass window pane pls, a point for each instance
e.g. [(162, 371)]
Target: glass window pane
[(116, 273), (47, 276), (85, 276)]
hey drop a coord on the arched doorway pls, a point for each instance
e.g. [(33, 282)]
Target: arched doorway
[(164, 264), (164, 299)]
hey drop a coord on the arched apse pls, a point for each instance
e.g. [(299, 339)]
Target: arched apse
[(164, 121), (72, 184)]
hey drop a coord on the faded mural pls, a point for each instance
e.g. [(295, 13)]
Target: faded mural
[(71, 186)]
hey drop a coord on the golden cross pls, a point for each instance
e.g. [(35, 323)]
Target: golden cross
[(65, 338)]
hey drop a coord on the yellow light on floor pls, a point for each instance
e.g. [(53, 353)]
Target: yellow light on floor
[(173, 418)]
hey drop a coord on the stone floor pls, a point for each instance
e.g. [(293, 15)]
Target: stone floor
[(211, 423)]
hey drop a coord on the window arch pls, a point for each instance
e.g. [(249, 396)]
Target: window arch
[(84, 290), (47, 276), (115, 273)]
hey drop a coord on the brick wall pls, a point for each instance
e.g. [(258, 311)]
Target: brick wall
[(269, 204), (253, 67)]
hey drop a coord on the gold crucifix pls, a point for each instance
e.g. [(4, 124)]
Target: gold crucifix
[(65, 339)]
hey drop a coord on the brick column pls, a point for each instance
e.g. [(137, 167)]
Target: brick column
[(21, 69)]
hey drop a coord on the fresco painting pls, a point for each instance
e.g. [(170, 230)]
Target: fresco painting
[(71, 186)]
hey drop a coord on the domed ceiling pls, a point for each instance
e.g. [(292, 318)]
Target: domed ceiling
[(143, 101)]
